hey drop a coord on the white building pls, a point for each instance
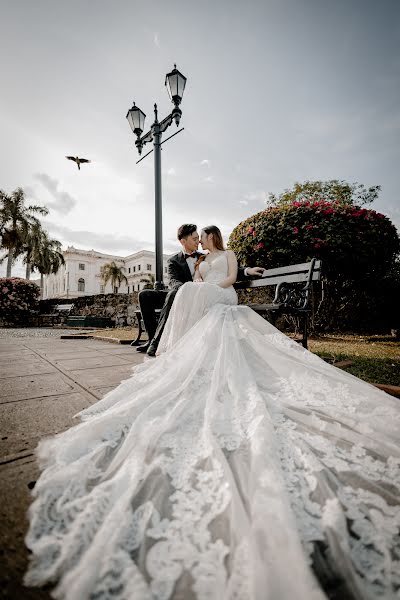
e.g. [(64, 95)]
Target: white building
[(80, 276)]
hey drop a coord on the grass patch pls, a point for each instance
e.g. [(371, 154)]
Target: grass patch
[(375, 358), (120, 333)]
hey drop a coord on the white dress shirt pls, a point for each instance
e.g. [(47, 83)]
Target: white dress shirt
[(191, 261)]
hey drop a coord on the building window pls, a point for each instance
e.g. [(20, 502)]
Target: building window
[(81, 285), (129, 269), (128, 289), (149, 267), (81, 266), (102, 287), (134, 269), (138, 267)]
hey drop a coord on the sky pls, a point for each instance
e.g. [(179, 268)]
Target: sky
[(278, 91)]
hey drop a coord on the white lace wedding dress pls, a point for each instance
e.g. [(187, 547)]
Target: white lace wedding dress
[(221, 470)]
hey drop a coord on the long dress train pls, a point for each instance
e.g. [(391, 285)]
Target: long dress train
[(219, 469)]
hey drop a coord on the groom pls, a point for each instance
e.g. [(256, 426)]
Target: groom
[(180, 270)]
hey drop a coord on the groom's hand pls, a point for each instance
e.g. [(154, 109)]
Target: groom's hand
[(255, 271)]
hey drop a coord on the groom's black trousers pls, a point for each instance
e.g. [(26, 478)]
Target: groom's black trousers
[(150, 301)]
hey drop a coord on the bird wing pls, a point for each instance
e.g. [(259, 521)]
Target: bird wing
[(71, 158), (83, 160)]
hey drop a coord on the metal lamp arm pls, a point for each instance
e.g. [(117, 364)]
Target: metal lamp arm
[(165, 123)]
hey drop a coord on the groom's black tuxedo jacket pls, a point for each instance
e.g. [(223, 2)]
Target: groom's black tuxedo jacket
[(179, 272)]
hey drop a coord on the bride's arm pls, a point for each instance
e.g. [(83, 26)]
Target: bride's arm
[(197, 277), (232, 270)]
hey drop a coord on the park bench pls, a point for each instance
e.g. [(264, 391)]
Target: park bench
[(292, 295), (292, 292), (58, 315), (89, 321)]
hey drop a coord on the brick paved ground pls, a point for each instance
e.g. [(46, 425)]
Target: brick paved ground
[(44, 381)]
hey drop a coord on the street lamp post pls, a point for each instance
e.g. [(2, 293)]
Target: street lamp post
[(175, 83)]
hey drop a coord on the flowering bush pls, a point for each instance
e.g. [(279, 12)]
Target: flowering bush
[(18, 298), (349, 239), (357, 245)]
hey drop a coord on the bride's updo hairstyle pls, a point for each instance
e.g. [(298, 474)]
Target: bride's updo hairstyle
[(217, 236)]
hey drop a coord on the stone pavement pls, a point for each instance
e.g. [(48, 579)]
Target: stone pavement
[(44, 381)]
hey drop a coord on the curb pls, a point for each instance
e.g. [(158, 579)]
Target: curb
[(393, 390), (76, 336), (111, 339)]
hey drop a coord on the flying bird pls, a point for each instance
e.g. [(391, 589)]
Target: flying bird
[(78, 160)]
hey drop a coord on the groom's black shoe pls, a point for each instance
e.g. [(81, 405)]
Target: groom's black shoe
[(143, 347), (152, 348)]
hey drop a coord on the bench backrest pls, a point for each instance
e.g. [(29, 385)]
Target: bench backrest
[(303, 272), (65, 308), (282, 277)]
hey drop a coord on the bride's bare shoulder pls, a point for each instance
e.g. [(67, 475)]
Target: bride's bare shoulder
[(230, 254)]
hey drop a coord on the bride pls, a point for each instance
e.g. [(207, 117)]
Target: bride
[(236, 465)]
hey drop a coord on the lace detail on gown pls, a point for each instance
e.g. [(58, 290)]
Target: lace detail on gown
[(232, 457)]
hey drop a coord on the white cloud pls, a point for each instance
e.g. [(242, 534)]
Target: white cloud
[(61, 202), (171, 171), (209, 179), (156, 39), (244, 202), (102, 241), (205, 162)]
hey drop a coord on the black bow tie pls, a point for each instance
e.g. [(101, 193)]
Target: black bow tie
[(193, 255)]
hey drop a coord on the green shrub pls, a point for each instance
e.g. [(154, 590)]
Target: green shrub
[(18, 298)]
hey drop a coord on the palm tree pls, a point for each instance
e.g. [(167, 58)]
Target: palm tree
[(47, 257), (149, 279), (112, 272), (34, 241), (15, 221)]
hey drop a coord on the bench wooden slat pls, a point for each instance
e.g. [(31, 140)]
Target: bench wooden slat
[(290, 278), (276, 307), (301, 267)]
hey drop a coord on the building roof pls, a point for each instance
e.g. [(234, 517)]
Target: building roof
[(96, 254)]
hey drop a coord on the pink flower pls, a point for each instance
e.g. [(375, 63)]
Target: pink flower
[(260, 245), (328, 211), (295, 230), (310, 226), (250, 230), (5, 290)]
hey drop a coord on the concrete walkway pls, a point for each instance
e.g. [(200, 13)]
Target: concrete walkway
[(43, 383)]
